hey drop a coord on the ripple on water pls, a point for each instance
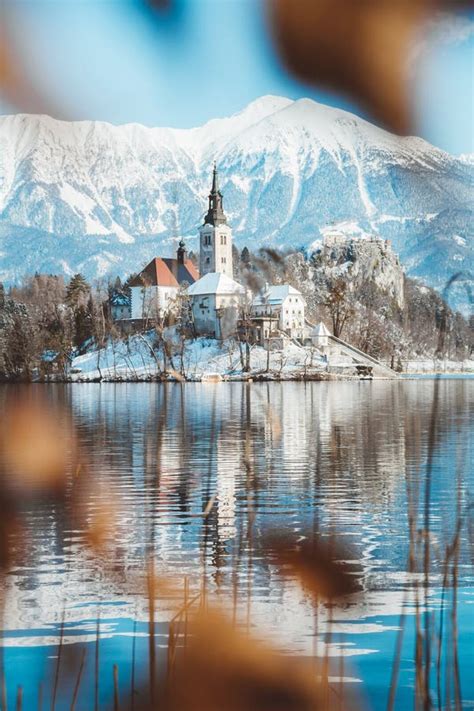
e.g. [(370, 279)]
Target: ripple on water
[(331, 457)]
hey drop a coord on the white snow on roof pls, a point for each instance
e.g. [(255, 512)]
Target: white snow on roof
[(320, 330), (276, 294), (215, 283)]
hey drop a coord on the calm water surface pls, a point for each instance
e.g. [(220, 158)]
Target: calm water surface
[(343, 457)]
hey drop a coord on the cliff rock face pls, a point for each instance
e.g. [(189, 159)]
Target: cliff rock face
[(103, 199), (361, 261)]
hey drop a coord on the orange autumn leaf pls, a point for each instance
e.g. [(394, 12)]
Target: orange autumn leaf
[(360, 47), (222, 668), (319, 564), (36, 448)]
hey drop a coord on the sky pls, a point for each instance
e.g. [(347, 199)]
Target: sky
[(115, 60)]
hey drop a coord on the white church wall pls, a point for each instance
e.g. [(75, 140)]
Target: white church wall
[(149, 301), (204, 314), (215, 247)]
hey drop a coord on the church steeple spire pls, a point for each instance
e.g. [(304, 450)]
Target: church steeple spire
[(215, 235), (215, 181), (215, 214)]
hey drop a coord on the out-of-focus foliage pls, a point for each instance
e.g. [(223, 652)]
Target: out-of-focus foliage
[(361, 47), (224, 669), (318, 564), (14, 80), (36, 448)]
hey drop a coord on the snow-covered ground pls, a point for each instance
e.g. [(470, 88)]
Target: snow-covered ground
[(438, 366), (137, 359)]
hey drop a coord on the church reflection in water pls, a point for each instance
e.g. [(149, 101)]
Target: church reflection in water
[(296, 458)]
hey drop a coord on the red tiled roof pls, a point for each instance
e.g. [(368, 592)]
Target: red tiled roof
[(192, 270), (166, 272)]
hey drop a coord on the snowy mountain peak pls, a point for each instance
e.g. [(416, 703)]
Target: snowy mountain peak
[(105, 199), (263, 106)]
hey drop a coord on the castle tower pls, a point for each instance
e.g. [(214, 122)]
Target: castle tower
[(215, 235)]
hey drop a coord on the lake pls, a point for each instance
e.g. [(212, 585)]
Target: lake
[(343, 458)]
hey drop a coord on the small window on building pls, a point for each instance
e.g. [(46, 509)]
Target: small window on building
[(224, 260), (223, 239)]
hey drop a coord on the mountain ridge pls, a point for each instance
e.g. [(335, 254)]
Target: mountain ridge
[(93, 197)]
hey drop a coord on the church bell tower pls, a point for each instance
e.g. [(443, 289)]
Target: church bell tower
[(215, 235)]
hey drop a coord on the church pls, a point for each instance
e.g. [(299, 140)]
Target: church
[(155, 288), (217, 300), (215, 235)]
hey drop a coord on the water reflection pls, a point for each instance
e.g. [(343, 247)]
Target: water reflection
[(292, 457)]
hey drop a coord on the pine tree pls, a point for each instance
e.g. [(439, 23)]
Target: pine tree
[(78, 295), (83, 325), (245, 256), (19, 354), (77, 291)]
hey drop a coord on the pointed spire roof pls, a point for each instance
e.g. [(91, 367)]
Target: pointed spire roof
[(321, 330), (215, 180), (181, 251), (215, 214)]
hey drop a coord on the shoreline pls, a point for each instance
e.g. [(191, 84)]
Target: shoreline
[(239, 378)]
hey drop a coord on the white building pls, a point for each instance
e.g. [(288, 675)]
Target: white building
[(320, 336), (216, 300), (215, 236), (154, 290), (280, 307), (120, 306)]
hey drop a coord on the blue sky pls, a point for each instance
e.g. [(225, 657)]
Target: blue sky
[(106, 59)]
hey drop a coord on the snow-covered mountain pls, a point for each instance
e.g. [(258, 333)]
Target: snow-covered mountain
[(103, 199)]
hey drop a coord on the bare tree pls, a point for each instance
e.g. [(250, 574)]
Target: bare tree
[(339, 305)]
